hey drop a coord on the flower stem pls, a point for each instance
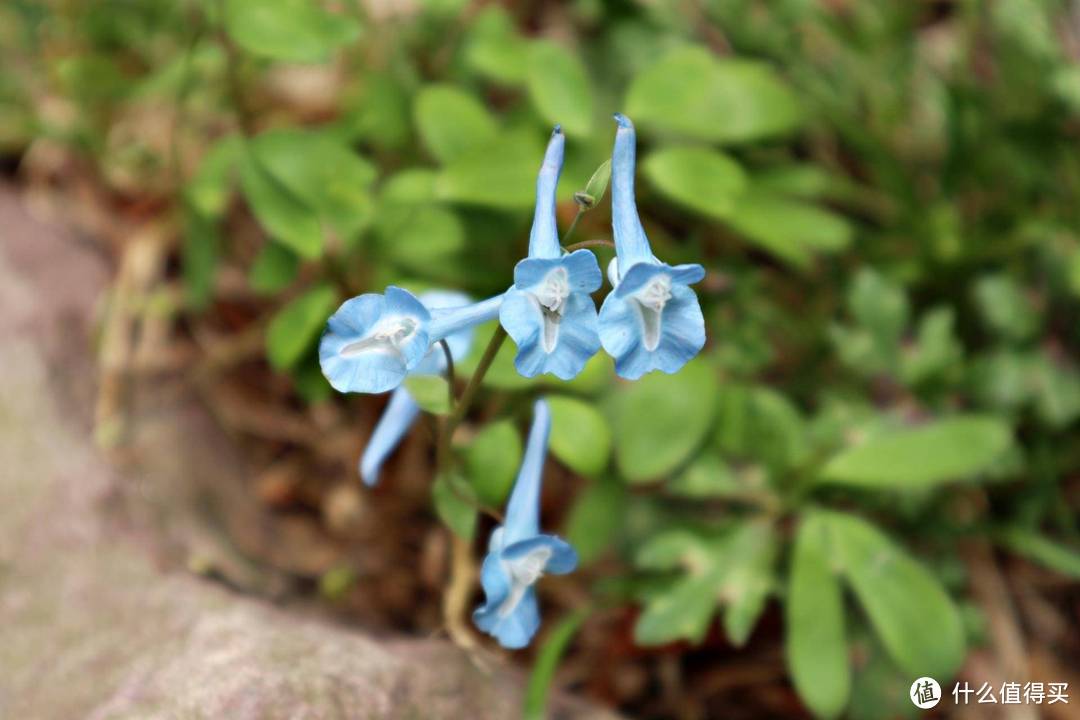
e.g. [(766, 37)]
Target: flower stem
[(589, 244), (450, 380), (482, 367), (573, 225)]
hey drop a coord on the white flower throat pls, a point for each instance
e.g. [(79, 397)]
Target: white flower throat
[(551, 294), (650, 302), (523, 572), (387, 337)]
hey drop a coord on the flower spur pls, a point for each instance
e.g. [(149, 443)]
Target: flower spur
[(518, 554), (402, 411), (651, 320), (549, 312)]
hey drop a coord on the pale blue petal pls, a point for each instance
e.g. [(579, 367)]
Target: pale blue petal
[(631, 244), (377, 371), (682, 334), (582, 271), (639, 275), (434, 363), (563, 558), (544, 236), (523, 508), (398, 417), (515, 630), (576, 341)]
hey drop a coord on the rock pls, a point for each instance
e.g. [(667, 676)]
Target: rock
[(100, 619)]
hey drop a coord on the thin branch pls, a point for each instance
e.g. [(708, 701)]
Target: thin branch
[(589, 244), (450, 379)]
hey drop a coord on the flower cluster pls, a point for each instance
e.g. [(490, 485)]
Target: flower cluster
[(651, 320)]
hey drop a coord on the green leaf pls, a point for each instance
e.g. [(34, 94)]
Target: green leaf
[(451, 121), (379, 111), (690, 92), (698, 178), (295, 327), (580, 436), (936, 349), (431, 393), (202, 248), (706, 476), (492, 462), (596, 518), (274, 269), (594, 190), (952, 449), (791, 230), (500, 174), (1005, 308), (803, 181), (309, 381), (285, 216), (495, 49), (1059, 558), (209, 189), (412, 186), (559, 87), (424, 239), (291, 30), (661, 419), (453, 499), (734, 570), (322, 172), (547, 660), (814, 638), (758, 423), (911, 613)]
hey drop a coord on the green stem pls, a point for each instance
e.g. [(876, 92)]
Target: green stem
[(484, 365), (589, 244), (573, 226), (450, 380)]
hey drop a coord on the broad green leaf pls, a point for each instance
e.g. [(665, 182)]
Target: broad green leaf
[(296, 326), (455, 505), (209, 189), (580, 436), (956, 448), (495, 49), (499, 174), (792, 230), (804, 181), (411, 186), (274, 269), (661, 419), (492, 461), (321, 171), (596, 518), (559, 87), (1059, 558), (911, 613), (690, 92), (706, 476), (936, 350), (1005, 308), (547, 660), (309, 381), (683, 612), (734, 570), (701, 179), (815, 640), (878, 305), (451, 121), (426, 239), (202, 246), (291, 30), (431, 393), (748, 578), (1056, 385), (379, 111), (758, 423), (284, 215)]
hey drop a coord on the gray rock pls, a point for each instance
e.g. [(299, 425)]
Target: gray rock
[(96, 618)]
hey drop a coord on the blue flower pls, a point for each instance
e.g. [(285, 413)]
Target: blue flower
[(652, 319), (402, 411), (518, 554), (373, 341), (548, 312)]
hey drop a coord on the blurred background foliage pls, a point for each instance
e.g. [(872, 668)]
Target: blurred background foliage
[(886, 198)]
